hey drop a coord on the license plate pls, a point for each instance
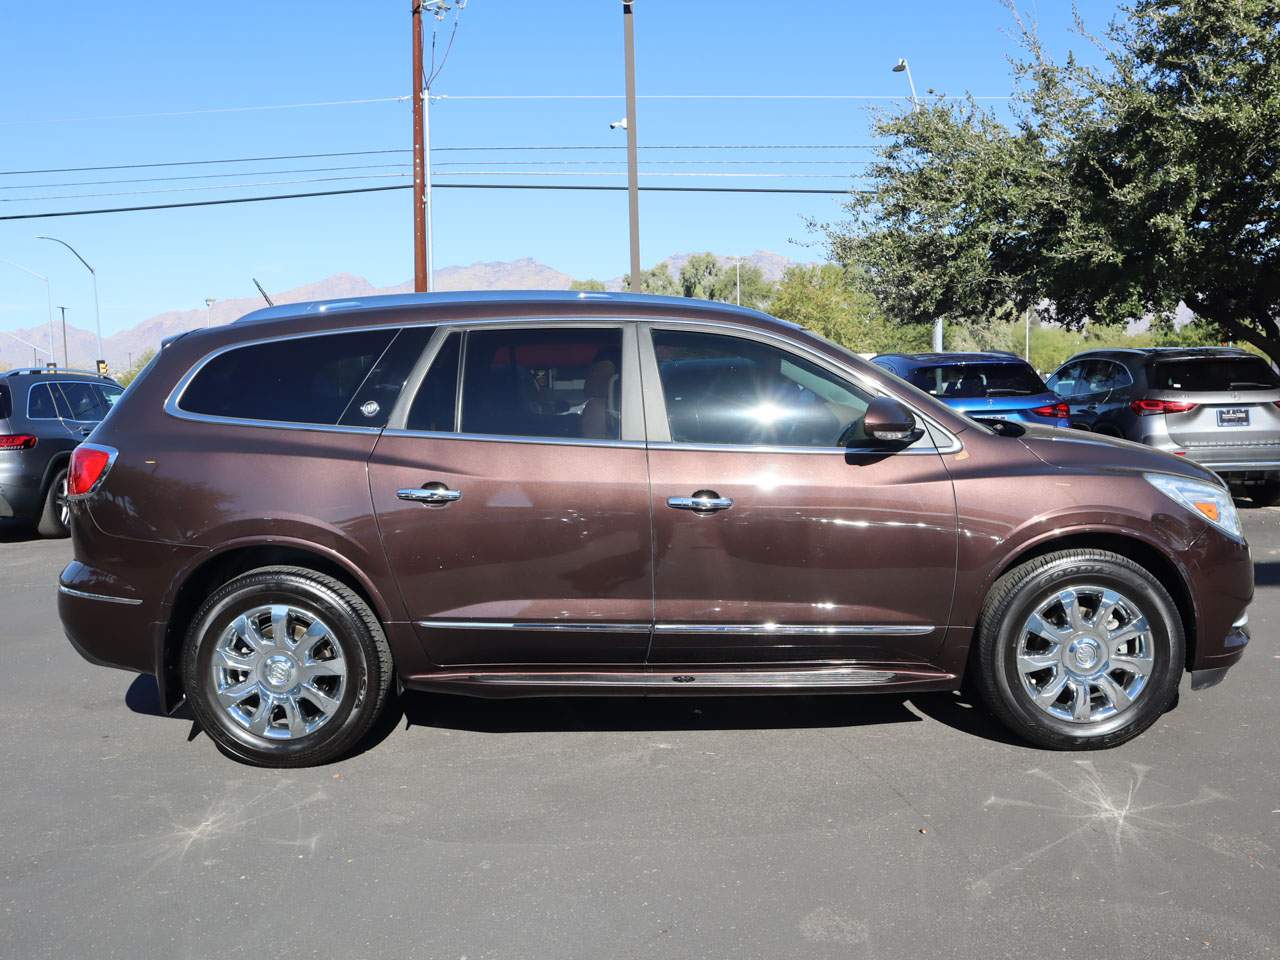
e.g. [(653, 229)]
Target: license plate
[(1233, 417)]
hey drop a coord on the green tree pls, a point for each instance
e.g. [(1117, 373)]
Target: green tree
[(700, 276), (590, 285), (832, 302), (1120, 190), (655, 280), (126, 377)]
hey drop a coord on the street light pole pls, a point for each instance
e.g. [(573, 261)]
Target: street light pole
[(900, 67), (66, 356), (633, 180), (48, 295), (97, 315)]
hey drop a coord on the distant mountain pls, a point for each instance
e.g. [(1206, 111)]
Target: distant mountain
[(522, 274)]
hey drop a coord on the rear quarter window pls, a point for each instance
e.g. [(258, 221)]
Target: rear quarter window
[(309, 379), (6, 405)]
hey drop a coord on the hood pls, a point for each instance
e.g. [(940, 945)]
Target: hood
[(977, 406), (1078, 450)]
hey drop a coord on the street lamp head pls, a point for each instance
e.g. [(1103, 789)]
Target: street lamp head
[(900, 65), (619, 124)]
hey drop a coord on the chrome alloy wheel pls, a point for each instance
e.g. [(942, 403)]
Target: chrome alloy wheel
[(1085, 654), (278, 672), (64, 504)]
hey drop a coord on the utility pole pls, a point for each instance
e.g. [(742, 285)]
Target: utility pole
[(421, 281), (633, 180), (66, 357)]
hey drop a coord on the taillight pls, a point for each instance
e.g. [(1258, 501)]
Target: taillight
[(17, 441), (1147, 407), (89, 464), (1059, 410)]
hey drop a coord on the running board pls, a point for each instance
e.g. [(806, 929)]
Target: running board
[(688, 682)]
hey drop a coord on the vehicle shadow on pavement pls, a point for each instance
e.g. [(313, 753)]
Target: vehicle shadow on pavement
[(11, 532), (1266, 573)]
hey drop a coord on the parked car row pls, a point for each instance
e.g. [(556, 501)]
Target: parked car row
[(44, 413), (1218, 406), (599, 494)]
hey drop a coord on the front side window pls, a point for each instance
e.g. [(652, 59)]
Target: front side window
[(730, 390), (543, 382), (1069, 380), (299, 380)]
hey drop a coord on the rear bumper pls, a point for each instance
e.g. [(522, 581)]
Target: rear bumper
[(19, 498)]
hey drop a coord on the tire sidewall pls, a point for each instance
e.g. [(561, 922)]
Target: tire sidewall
[(1166, 638), (50, 521), (227, 603)]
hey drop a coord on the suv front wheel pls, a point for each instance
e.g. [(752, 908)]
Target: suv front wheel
[(1079, 650), (286, 667)]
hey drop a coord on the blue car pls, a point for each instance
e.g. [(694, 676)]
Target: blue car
[(990, 386)]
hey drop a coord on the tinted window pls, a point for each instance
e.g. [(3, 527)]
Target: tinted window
[(721, 389), (299, 380), (40, 403), (82, 400), (435, 405), (372, 403), (531, 382), (978, 380), (6, 409), (1214, 373), (1071, 380)]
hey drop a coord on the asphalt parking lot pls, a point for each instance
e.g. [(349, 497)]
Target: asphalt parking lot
[(772, 827)]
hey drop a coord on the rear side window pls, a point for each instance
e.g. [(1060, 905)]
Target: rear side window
[(548, 382), (40, 404), (298, 380), (437, 400), (6, 405), (978, 380), (372, 403), (1216, 373)]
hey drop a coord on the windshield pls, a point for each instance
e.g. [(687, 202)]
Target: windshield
[(1214, 373), (978, 380)]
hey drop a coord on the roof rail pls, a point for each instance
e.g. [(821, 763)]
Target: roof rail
[(30, 371)]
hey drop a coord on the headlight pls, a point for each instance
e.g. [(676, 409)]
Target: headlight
[(1207, 500)]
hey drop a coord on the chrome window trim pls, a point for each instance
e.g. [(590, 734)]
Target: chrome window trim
[(796, 629), (50, 383), (85, 595), (826, 451), (496, 438), (546, 626), (952, 444)]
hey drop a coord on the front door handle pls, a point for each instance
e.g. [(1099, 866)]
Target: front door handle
[(703, 501), (430, 493)]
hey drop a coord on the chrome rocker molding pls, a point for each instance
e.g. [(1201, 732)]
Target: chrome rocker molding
[(723, 630), (84, 595)]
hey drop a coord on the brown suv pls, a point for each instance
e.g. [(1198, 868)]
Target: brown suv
[(555, 494)]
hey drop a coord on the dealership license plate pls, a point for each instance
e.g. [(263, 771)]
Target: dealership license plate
[(1233, 417)]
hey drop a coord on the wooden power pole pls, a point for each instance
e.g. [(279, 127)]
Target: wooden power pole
[(633, 185), (421, 279)]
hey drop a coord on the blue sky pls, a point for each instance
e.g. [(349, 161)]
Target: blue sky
[(93, 60)]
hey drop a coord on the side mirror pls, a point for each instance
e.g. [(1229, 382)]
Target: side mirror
[(887, 420)]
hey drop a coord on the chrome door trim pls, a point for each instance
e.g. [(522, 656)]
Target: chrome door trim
[(85, 595), (700, 504), (428, 495), (495, 438), (546, 626), (686, 681), (796, 629)]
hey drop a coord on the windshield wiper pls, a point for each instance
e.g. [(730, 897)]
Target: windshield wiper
[(1252, 383), (1008, 392)]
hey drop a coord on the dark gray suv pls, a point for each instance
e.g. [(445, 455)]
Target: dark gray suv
[(1218, 406), (43, 415)]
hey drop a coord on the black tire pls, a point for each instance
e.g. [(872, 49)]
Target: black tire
[(355, 631), (1012, 600), (53, 519), (1265, 494)]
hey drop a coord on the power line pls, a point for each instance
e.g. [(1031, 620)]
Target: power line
[(456, 149), (203, 111), (218, 176), (406, 186), (259, 183)]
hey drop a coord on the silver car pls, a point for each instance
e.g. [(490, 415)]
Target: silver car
[(1219, 406)]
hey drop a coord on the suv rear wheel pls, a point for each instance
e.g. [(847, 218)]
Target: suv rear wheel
[(286, 667), (55, 514), (1079, 650)]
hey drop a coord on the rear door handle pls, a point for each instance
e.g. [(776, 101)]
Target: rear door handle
[(430, 493), (703, 501)]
